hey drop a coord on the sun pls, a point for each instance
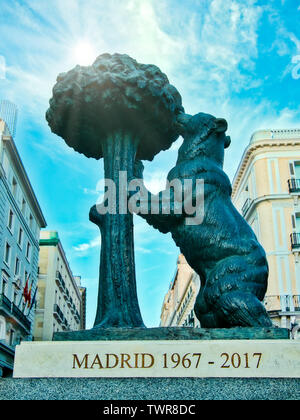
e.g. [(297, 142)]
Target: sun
[(84, 53)]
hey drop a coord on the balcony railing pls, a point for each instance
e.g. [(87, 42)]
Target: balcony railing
[(5, 303), (21, 317), (12, 309), (295, 240), (57, 312), (294, 185), (60, 281), (282, 303)]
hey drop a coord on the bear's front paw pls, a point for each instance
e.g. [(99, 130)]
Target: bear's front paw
[(95, 216)]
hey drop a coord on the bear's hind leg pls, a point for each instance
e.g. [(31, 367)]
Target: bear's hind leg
[(243, 309), (234, 289), (207, 317)]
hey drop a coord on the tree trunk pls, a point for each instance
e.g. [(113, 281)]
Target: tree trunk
[(117, 296)]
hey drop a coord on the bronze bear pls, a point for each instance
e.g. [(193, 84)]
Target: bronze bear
[(223, 249)]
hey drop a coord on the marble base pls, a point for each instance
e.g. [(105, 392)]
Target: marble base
[(160, 358)]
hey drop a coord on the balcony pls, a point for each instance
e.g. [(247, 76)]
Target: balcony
[(71, 301), (65, 325), (21, 317), (57, 313), (294, 186), (60, 281), (77, 317), (282, 304), (5, 303), (12, 310), (73, 308), (295, 241)]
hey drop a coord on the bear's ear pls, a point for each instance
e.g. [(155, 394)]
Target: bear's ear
[(227, 142), (221, 125)]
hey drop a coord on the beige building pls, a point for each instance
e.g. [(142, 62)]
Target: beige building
[(266, 190), (59, 300), (178, 305)]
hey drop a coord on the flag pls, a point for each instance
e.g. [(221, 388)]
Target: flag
[(33, 299), (26, 291), (29, 297)]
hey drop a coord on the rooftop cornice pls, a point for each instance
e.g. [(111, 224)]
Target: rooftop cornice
[(267, 134), (260, 144)]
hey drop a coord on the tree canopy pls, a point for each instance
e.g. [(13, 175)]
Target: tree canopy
[(115, 94)]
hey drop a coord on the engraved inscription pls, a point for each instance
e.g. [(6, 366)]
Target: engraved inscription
[(112, 361), (236, 360), (166, 361)]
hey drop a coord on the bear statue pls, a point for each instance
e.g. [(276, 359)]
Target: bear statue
[(222, 249)]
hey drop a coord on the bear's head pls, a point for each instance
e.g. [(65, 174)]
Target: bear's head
[(204, 135)]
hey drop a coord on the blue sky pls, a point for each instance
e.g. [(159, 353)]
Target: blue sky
[(234, 59)]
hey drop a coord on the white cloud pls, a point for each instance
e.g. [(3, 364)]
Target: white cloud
[(86, 246), (2, 67), (155, 181), (142, 250), (203, 54)]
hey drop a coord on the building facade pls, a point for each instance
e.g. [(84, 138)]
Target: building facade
[(82, 291), (59, 301), (178, 305), (266, 191), (20, 222)]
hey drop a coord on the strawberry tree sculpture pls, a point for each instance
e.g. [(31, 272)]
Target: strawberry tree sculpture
[(119, 110)]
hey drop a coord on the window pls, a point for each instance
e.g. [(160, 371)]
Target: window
[(20, 237), (4, 286), (14, 187), (31, 221), (292, 169), (11, 337), (17, 266), (28, 250), (7, 252), (298, 222), (10, 220), (23, 207), (297, 169), (2, 328), (15, 298)]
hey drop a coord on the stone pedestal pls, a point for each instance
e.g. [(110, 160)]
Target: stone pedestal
[(163, 358), (161, 352), (162, 364)]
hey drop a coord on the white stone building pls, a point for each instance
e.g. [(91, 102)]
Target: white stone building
[(21, 220)]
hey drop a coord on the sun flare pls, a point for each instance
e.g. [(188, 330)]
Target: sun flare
[(84, 53)]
